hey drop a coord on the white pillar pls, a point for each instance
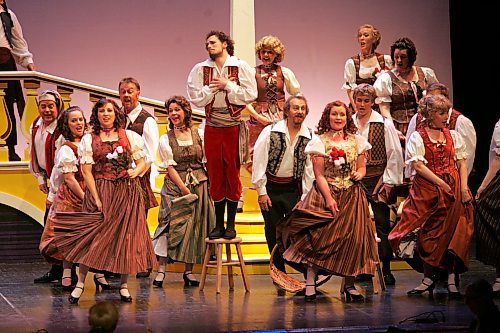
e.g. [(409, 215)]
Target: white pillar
[(243, 29)]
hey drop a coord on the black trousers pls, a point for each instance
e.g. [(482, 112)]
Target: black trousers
[(381, 214), (13, 94), (283, 198)]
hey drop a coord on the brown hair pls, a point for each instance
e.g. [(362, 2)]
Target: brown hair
[(185, 106), (94, 120), (324, 122)]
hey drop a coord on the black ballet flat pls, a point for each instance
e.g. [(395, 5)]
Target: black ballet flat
[(74, 300), (216, 233), (349, 297), (126, 299), (70, 287), (159, 284), (416, 292), (310, 298), (188, 282), (104, 286), (229, 234)]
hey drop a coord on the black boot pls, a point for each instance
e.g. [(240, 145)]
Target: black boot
[(53, 275), (13, 157), (218, 231), (231, 216)]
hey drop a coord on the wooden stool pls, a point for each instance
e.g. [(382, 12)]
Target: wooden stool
[(219, 263)]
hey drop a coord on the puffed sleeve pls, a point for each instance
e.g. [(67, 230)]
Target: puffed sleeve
[(166, 154), (291, 83), (349, 75), (415, 149), (388, 61), (85, 153), (315, 146), (383, 88), (362, 143), (430, 76), (460, 146), (136, 145), (67, 160)]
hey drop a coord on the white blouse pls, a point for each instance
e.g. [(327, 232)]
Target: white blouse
[(291, 84), (383, 84), (316, 146), (415, 149), (65, 162), (495, 143), (166, 154), (86, 154), (364, 72)]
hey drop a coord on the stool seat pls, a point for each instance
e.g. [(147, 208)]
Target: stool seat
[(220, 263)]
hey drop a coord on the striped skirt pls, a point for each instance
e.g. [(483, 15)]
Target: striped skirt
[(65, 201), (342, 244), (183, 223), (487, 223), (115, 240)]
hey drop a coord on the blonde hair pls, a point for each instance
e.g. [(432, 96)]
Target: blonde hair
[(273, 43), (433, 103), (375, 34)]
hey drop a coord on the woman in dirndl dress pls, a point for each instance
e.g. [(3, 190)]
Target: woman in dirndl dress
[(111, 233), (186, 211), (331, 229)]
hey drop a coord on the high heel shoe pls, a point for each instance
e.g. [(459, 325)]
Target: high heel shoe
[(74, 300), (104, 286), (312, 297), (352, 297), (68, 287), (188, 282), (430, 289), (127, 299), (158, 283), (453, 294)]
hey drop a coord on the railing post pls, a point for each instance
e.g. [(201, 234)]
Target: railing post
[(5, 124), (65, 95), (30, 111)]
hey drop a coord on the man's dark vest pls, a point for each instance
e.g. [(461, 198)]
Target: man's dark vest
[(377, 156), (277, 147), (138, 125)]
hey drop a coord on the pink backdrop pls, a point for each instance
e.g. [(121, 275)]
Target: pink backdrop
[(158, 41)]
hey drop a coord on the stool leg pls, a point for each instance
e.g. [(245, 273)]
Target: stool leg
[(219, 267), (206, 259), (342, 285), (229, 267), (242, 267)]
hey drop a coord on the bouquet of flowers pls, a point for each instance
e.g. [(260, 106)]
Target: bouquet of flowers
[(376, 73), (119, 158), (339, 159)]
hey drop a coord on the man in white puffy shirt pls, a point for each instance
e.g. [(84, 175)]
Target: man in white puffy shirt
[(456, 121), (281, 172), (13, 49)]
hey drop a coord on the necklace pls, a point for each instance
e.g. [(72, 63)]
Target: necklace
[(366, 56), (404, 73), (180, 128), (337, 133), (107, 131)]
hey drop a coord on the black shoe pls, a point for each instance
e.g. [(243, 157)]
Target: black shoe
[(143, 274), (352, 297), (389, 279), (229, 234), (363, 278), (74, 300), (104, 286), (430, 289), (158, 283), (48, 278), (453, 294), (70, 287), (126, 299), (216, 233), (188, 282)]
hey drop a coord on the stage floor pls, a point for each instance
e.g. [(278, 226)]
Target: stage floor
[(29, 307)]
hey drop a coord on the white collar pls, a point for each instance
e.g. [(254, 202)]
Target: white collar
[(281, 127), (132, 115), (51, 128), (375, 117)]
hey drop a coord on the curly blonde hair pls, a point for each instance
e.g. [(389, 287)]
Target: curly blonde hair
[(433, 103), (273, 43), (377, 37), (324, 122)]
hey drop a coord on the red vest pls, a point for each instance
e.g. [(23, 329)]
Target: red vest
[(50, 150)]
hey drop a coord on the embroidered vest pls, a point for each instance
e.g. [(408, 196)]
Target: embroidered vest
[(50, 150), (277, 147), (105, 168), (234, 110), (188, 158), (377, 156), (138, 125), (371, 80), (270, 87), (440, 158), (74, 148), (404, 99)]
